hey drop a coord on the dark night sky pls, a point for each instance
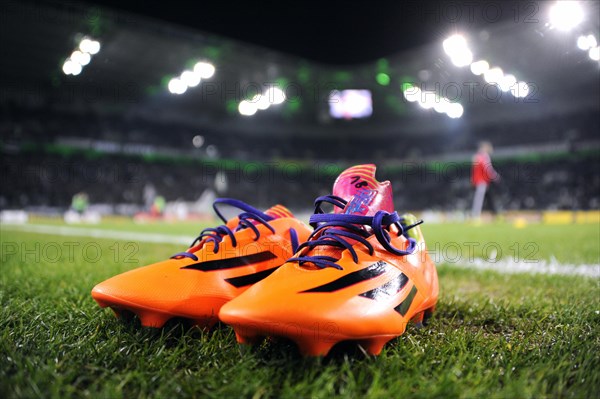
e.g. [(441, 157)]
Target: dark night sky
[(334, 32)]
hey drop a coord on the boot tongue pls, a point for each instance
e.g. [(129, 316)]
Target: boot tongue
[(365, 197), (365, 194)]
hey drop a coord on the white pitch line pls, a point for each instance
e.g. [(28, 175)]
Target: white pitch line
[(100, 233), (540, 266), (508, 266)]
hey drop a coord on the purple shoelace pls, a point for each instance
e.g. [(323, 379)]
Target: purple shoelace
[(336, 229), (247, 219)]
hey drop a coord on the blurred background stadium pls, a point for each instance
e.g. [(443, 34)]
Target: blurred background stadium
[(126, 105)]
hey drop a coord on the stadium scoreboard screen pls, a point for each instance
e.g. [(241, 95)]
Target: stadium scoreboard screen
[(350, 104)]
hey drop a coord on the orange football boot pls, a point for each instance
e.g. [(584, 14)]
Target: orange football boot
[(221, 264), (362, 276)]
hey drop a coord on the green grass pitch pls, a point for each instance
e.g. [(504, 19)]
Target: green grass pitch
[(493, 335)]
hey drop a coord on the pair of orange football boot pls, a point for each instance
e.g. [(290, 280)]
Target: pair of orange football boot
[(362, 274)]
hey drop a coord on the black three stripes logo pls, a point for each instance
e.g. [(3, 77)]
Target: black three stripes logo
[(239, 261), (376, 269), (386, 290), (250, 279)]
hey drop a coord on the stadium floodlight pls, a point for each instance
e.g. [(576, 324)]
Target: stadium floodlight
[(84, 59), (205, 70), (428, 99), (80, 58), (71, 67), (198, 141), (95, 48), (68, 67), (75, 69), (442, 105), (565, 15), (261, 101), (177, 86), (462, 58), (586, 42), (582, 43), (454, 44), (89, 46), (494, 75), (457, 49), (247, 108), (85, 45), (479, 67), (592, 42), (191, 79), (594, 53), (275, 95), (426, 104), (455, 110), (507, 82), (520, 89), (412, 94)]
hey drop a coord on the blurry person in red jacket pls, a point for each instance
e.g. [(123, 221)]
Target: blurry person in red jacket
[(482, 174)]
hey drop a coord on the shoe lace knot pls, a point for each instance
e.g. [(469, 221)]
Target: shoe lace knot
[(336, 230), (249, 218)]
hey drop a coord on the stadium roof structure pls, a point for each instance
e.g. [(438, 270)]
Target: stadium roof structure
[(139, 56)]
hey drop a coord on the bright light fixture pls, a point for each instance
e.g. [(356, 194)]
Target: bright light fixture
[(75, 68), (455, 110), (454, 44), (442, 105), (95, 47), (520, 89), (565, 15), (462, 58), (582, 43), (80, 58), (507, 82), (429, 99), (412, 94), (275, 95), (89, 46), (247, 108), (494, 75), (68, 67), (84, 59), (479, 67), (204, 69), (594, 53), (191, 79), (261, 101), (457, 49), (177, 86), (85, 45), (198, 141)]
